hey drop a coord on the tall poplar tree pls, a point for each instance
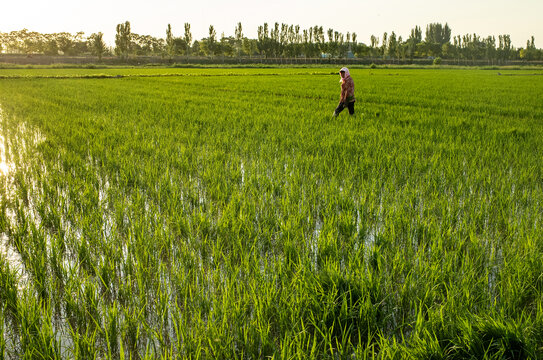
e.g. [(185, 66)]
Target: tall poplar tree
[(392, 45), (122, 40), (188, 38), (170, 41), (211, 40), (239, 37)]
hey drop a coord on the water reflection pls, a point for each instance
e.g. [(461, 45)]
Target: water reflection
[(5, 167), (14, 260)]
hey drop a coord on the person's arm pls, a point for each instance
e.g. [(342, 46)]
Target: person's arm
[(343, 96), (348, 95)]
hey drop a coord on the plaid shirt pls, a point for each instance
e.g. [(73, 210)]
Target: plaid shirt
[(347, 90)]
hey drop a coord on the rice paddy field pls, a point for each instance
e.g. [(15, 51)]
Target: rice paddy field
[(223, 214)]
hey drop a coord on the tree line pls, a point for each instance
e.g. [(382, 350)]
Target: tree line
[(279, 40)]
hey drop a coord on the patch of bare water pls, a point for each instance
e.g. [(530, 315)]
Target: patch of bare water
[(369, 241), (358, 221), (7, 251), (495, 265), (314, 242), (242, 168), (5, 166), (108, 219), (200, 189)]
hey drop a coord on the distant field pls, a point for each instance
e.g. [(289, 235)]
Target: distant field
[(67, 70), (222, 213), (145, 71)]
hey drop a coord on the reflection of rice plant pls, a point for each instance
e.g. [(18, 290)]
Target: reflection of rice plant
[(136, 222)]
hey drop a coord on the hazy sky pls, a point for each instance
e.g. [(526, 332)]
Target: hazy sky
[(520, 19)]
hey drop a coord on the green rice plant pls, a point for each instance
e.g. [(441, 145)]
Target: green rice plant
[(84, 345), (132, 333), (111, 331), (482, 339), (2, 334), (219, 213), (37, 337), (9, 294), (56, 260)]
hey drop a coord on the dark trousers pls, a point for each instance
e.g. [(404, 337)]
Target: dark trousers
[(342, 106)]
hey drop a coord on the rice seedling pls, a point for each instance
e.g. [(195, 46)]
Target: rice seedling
[(220, 213)]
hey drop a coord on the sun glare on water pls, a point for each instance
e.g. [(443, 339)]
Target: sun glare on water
[(4, 166)]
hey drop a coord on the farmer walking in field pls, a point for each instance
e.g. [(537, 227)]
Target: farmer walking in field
[(347, 92)]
